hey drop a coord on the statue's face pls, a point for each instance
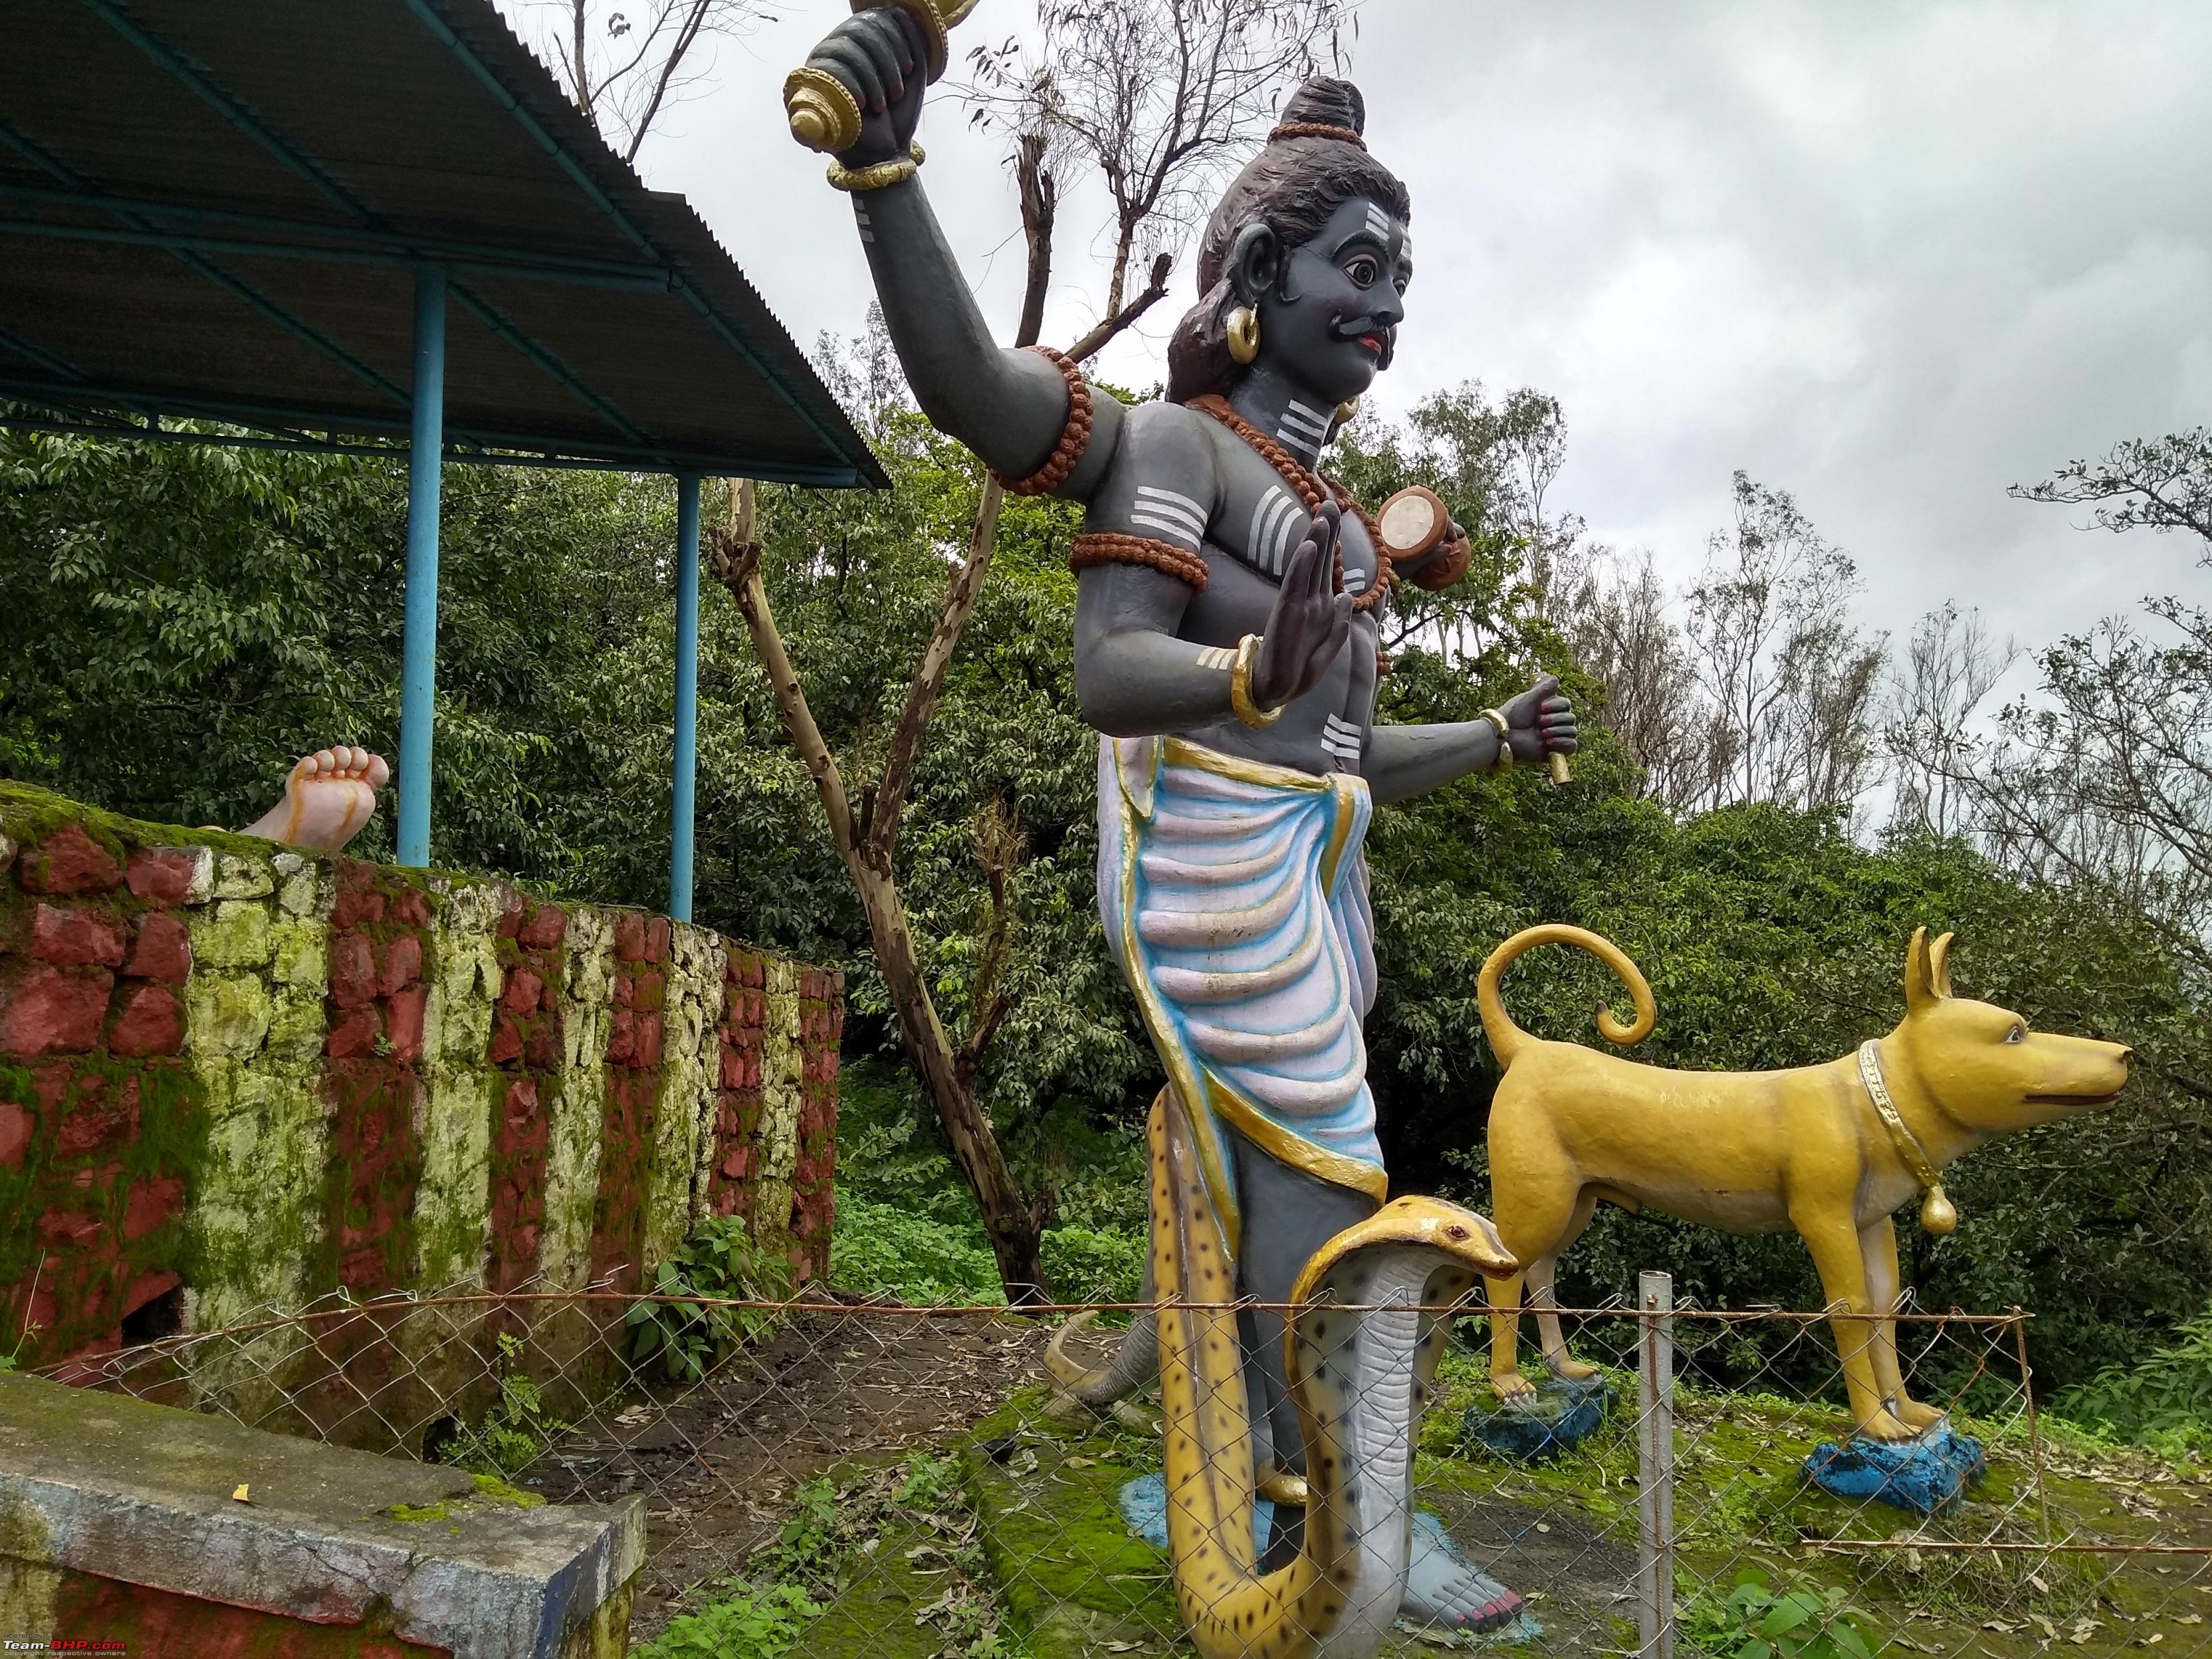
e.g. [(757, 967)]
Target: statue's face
[(1332, 322)]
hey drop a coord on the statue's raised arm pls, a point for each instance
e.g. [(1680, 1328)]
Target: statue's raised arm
[(1012, 408)]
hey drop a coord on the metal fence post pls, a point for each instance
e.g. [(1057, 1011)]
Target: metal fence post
[(1654, 1468)]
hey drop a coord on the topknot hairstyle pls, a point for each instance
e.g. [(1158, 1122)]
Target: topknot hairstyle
[(1314, 160)]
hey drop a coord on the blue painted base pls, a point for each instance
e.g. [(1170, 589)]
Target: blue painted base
[(1559, 1415), (1143, 1504), (1145, 1507), (1923, 1475)]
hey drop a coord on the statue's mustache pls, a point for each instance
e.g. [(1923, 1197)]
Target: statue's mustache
[(1357, 326)]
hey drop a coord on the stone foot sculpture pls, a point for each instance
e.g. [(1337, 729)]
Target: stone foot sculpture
[(1445, 1590), (328, 800)]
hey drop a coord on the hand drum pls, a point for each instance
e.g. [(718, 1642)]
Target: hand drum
[(1412, 522)]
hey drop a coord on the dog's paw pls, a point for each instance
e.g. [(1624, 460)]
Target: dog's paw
[(1882, 1425), (1917, 1417), (1569, 1369), (1510, 1385)]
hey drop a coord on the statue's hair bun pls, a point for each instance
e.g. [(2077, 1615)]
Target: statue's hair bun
[(1324, 101)]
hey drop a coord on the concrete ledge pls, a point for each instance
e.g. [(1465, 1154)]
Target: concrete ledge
[(141, 1494)]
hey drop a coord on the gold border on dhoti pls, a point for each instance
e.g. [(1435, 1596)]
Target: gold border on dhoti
[(1197, 1086)]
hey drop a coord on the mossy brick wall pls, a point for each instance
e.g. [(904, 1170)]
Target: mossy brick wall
[(251, 1077)]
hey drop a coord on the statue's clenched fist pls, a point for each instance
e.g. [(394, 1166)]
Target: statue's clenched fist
[(1539, 722), (881, 57)]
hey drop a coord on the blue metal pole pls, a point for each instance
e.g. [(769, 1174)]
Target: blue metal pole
[(418, 673), (687, 695)]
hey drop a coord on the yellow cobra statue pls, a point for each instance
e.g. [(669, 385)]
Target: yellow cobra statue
[(1360, 1380)]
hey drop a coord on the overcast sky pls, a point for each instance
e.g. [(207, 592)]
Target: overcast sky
[(1889, 257)]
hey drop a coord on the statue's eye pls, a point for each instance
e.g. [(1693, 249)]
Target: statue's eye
[(1364, 269), (2018, 1034)]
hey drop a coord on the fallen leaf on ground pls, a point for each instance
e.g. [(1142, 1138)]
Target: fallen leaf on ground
[(239, 1496)]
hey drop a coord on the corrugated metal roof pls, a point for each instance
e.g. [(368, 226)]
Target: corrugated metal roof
[(216, 211)]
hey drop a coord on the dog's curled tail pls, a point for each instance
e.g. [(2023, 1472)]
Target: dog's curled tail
[(1507, 1039)]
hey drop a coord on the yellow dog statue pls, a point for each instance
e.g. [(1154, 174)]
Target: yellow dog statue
[(1830, 1150)]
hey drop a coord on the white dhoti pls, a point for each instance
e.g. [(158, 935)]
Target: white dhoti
[(1235, 897)]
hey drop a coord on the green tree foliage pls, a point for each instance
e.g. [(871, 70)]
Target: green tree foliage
[(176, 624)]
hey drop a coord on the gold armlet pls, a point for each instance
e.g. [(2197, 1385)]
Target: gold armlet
[(896, 171), (1240, 687), (1504, 764)]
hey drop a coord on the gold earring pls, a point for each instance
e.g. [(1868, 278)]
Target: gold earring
[(1243, 334), (1347, 409)]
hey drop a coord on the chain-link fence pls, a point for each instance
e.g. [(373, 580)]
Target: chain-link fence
[(823, 1476)]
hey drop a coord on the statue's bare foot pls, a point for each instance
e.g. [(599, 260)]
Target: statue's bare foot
[(328, 799), (1510, 1385), (1445, 1590), (1568, 1369)]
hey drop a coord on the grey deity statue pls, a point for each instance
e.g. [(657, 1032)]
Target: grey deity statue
[(1226, 652)]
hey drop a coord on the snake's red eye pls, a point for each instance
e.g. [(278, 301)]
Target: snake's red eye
[(1455, 1231)]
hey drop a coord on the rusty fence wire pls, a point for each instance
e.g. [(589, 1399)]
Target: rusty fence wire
[(832, 1476)]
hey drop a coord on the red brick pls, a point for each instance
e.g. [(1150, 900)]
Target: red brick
[(163, 875), (153, 1200), (648, 1052), (355, 904), (353, 970), (93, 1121), (148, 1020), (68, 1229), (622, 1036), (623, 991), (410, 909), (506, 1041), (402, 1018), (162, 951), (521, 1102), (72, 936), (363, 1269), (656, 940), (541, 1053), (547, 927), (629, 938), (16, 1127), (522, 989), (549, 999), (403, 963), (70, 861), (54, 1010), (354, 1035), (510, 917)]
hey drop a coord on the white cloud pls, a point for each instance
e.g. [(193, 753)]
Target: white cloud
[(1890, 257)]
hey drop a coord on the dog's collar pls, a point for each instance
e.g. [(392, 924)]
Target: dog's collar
[(1937, 1214)]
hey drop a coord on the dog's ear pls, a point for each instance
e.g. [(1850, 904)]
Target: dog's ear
[(1938, 966), (1920, 979)]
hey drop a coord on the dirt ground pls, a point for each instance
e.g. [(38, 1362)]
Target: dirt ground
[(719, 1462)]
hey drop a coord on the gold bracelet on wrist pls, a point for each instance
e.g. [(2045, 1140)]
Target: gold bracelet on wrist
[(1240, 687), (1503, 763), (897, 170)]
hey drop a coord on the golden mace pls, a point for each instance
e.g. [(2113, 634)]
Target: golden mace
[(825, 115)]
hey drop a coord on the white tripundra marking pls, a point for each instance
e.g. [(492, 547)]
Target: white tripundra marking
[(1378, 224), (1355, 579), (1302, 429), (860, 214), (1163, 509), (1341, 738), (1275, 523), (1218, 657)]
